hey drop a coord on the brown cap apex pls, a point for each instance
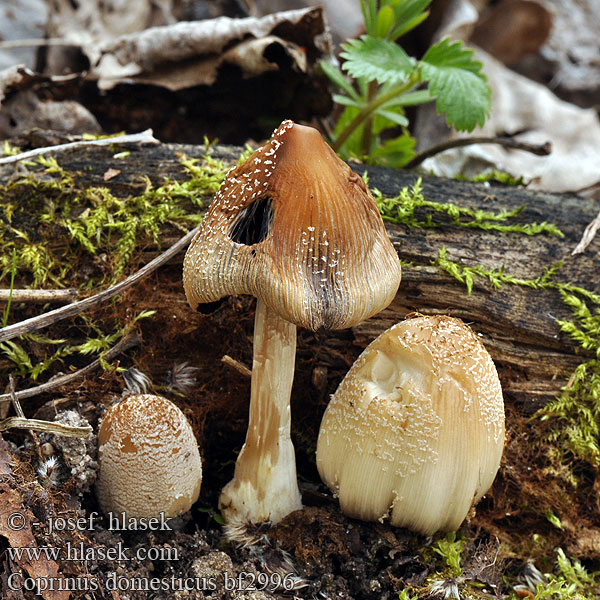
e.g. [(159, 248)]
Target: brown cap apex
[(295, 227)]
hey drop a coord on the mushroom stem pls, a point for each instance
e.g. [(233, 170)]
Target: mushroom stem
[(264, 486)]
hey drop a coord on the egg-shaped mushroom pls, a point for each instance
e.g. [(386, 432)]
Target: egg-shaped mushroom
[(149, 459), (415, 431)]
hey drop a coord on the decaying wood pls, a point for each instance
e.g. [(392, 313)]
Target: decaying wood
[(517, 324)]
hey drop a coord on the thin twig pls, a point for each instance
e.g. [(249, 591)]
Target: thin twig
[(539, 150), (46, 426), (144, 137), (70, 310), (238, 366), (21, 415), (124, 344), (67, 295), (13, 397)]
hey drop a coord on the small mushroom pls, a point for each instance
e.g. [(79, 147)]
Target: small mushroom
[(296, 228), (149, 459), (415, 431)]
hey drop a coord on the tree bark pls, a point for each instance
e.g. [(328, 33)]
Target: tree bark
[(517, 324)]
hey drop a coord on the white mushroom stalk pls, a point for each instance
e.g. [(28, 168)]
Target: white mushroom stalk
[(415, 431), (264, 487)]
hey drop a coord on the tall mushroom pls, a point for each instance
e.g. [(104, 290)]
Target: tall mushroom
[(415, 431), (296, 228)]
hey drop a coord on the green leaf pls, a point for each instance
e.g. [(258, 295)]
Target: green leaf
[(369, 11), (344, 100), (408, 14), (338, 78), (410, 99), (394, 153), (351, 147), (385, 21), (394, 117), (455, 78), (373, 59)]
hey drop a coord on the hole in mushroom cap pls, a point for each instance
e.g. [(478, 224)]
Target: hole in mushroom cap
[(253, 224)]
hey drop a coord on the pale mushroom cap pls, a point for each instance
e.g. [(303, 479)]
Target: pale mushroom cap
[(149, 459), (295, 227), (415, 431)]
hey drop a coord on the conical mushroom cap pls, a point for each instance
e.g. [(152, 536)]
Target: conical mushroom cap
[(295, 227)]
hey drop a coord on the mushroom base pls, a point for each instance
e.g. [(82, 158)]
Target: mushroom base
[(265, 487)]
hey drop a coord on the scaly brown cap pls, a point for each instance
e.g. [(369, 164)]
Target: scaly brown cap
[(295, 227), (149, 459)]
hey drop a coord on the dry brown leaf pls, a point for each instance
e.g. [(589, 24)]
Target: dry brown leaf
[(18, 532), (588, 235), (189, 53), (5, 459), (512, 29), (111, 174), (527, 110)]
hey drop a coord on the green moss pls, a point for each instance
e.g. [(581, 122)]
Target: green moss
[(571, 581), (402, 210), (495, 176), (9, 150), (47, 207), (450, 549), (56, 233)]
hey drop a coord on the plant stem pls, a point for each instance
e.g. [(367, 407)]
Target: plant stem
[(539, 150), (370, 108), (367, 134), (45, 426)]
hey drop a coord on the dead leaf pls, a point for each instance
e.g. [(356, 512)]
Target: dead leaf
[(186, 54), (111, 174), (512, 29), (588, 235), (11, 503), (5, 458), (522, 105), (572, 49)]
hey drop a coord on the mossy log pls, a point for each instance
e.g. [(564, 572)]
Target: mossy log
[(517, 324)]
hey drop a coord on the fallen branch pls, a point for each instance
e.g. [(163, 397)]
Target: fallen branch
[(67, 295), (539, 150), (46, 426), (124, 344), (70, 310), (145, 137)]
